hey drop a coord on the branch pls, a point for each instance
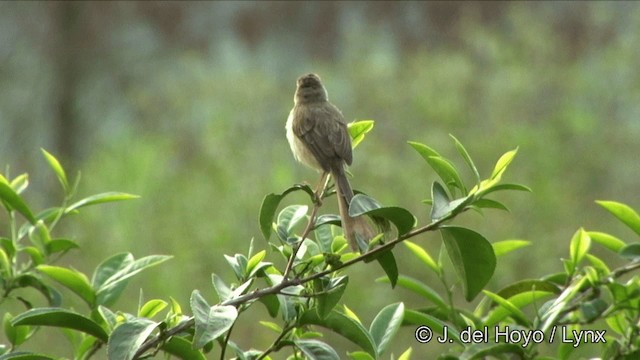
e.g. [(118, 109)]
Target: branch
[(277, 289)]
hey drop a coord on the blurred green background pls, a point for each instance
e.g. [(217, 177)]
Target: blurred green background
[(184, 103)]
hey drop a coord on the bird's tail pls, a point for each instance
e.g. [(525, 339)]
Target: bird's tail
[(357, 230)]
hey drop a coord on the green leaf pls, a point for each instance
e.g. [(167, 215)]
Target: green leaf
[(598, 264), (492, 351), (465, 155), (358, 129), (222, 290), (579, 246), (57, 168), (500, 187), (360, 355), (344, 325), (270, 206), (524, 286), (445, 169), (210, 321), (624, 213), (27, 280), (5, 264), (440, 198), (255, 260), (181, 348), (490, 204), (272, 304), (419, 288), (423, 256), (401, 218), (60, 245), (316, 350), (112, 275), (15, 334), (609, 241), (332, 293), (13, 201), (72, 280), (506, 246), (472, 256), (508, 306), (288, 218), (502, 163), (152, 307), (128, 337), (519, 300), (406, 355), (448, 173), (61, 318), (20, 183), (99, 199), (388, 264), (385, 325), (631, 252)]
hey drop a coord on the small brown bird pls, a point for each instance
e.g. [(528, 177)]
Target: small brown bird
[(319, 138)]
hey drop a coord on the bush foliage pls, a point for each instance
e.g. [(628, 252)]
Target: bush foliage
[(588, 305)]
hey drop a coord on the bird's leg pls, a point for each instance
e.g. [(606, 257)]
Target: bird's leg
[(319, 193)]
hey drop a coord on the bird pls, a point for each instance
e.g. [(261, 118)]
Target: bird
[(319, 138)]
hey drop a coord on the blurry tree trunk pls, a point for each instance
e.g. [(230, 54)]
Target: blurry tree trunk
[(66, 53)]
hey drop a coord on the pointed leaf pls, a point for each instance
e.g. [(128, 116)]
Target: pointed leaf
[(445, 170), (502, 163), (506, 246), (152, 307), (12, 200), (99, 199), (270, 206), (401, 218), (519, 301), (343, 325), (61, 318), (358, 129), (111, 287), (316, 350), (516, 313), (385, 325), (490, 204), (419, 288), (423, 256), (128, 337), (72, 280), (333, 290), (579, 246), (413, 317), (609, 241), (472, 256), (210, 321), (440, 204), (624, 213), (388, 263), (60, 245), (57, 168), (181, 348), (524, 286), (465, 155), (289, 217), (631, 252)]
